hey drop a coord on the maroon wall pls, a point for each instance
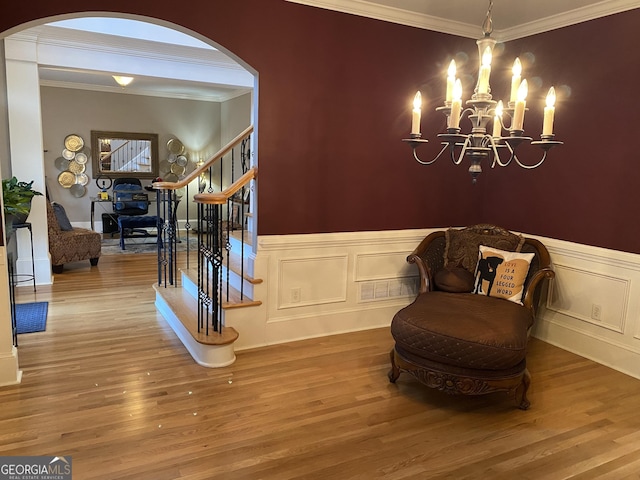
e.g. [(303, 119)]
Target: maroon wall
[(589, 189), (334, 102)]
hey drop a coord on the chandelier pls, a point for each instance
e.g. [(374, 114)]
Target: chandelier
[(479, 145)]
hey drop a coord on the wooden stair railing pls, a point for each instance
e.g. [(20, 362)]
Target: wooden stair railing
[(213, 239), (203, 169), (215, 224)]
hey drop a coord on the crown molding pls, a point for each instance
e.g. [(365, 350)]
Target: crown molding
[(395, 15), (144, 92), (573, 17), (413, 19)]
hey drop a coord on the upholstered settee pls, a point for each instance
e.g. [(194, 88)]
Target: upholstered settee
[(468, 328), (70, 244)]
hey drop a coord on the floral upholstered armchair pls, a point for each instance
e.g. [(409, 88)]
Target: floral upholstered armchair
[(70, 244)]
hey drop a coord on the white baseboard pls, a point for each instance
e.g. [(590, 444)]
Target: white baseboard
[(601, 350)]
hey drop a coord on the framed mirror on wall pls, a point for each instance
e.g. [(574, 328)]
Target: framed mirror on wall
[(124, 154)]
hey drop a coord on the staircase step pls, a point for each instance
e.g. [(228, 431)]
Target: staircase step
[(234, 301), (235, 263), (242, 236), (185, 308)]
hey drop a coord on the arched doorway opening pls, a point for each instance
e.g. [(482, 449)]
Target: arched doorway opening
[(60, 77), (45, 99)]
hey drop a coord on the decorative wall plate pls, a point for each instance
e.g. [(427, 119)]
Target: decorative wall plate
[(182, 160), (172, 177), (77, 190), (190, 167), (73, 143), (75, 167), (66, 179), (68, 154), (177, 169), (81, 158), (175, 146), (61, 163), (82, 179)]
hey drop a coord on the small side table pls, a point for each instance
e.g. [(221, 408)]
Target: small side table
[(25, 277), (95, 200)]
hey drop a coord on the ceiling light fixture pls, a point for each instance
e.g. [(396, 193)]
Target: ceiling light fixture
[(481, 109), (122, 81)]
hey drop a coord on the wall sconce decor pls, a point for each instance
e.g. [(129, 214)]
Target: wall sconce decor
[(72, 165), (177, 164)]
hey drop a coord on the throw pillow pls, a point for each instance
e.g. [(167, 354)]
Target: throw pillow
[(461, 248), (454, 280), (502, 274), (61, 216)]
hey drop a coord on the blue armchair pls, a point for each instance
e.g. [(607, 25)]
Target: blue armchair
[(131, 204)]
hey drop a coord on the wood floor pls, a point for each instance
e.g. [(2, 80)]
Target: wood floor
[(109, 384)]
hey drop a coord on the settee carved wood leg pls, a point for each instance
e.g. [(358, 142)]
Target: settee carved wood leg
[(94, 261), (394, 373), (57, 268), (522, 399)]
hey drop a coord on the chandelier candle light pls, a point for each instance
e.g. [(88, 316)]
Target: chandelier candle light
[(481, 109)]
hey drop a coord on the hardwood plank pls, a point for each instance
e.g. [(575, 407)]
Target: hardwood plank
[(111, 385)]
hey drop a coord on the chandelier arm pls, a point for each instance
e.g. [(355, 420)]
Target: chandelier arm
[(531, 167), (496, 154), (468, 111), (462, 153), (422, 162), (512, 155)]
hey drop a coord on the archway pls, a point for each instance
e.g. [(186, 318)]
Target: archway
[(70, 90), (34, 134)]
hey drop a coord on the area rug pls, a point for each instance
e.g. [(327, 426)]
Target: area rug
[(111, 246), (31, 317)]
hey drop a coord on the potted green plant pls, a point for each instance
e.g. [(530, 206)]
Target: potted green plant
[(17, 198)]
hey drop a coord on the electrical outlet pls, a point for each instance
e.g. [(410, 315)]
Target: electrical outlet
[(295, 295), (596, 311)]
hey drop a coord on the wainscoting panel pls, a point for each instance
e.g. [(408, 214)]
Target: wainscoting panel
[(323, 284), (593, 306), (378, 265), (299, 286), (358, 280), (589, 296)]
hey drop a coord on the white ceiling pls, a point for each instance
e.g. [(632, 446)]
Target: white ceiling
[(511, 18), (85, 53)]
